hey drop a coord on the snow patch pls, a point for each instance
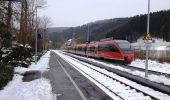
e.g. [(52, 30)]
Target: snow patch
[(39, 89), (42, 65)]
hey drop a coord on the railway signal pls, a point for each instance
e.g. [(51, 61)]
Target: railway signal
[(88, 41), (147, 37)]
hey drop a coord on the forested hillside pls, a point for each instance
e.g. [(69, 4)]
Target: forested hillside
[(120, 28), (136, 27), (97, 31)]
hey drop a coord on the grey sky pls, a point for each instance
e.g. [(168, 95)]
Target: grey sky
[(66, 13)]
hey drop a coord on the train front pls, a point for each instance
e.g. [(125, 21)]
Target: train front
[(126, 50)]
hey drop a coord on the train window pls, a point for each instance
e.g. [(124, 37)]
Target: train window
[(100, 47), (84, 48), (79, 49), (113, 48), (92, 49), (125, 46), (107, 47)]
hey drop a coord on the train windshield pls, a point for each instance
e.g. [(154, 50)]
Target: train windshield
[(107, 47), (125, 46)]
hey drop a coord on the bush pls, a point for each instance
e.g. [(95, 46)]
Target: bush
[(18, 55), (6, 74)]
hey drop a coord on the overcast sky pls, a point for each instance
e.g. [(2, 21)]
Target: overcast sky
[(69, 13)]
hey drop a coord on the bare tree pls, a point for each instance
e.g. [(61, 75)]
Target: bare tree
[(44, 22), (6, 16), (27, 23), (20, 16)]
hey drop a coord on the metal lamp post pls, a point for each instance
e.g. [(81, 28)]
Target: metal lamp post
[(36, 31), (147, 42), (88, 40), (36, 37)]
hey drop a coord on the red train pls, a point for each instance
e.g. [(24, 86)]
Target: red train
[(107, 49)]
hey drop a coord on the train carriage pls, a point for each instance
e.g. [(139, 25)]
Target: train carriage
[(116, 50), (109, 49)]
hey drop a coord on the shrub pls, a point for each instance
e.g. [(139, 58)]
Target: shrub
[(18, 55), (6, 74)]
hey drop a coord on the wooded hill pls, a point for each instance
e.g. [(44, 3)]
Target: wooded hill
[(119, 28)]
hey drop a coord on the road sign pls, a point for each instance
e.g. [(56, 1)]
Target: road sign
[(39, 35), (147, 37)]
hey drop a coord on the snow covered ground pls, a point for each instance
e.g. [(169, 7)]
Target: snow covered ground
[(39, 89), (119, 89), (153, 65)]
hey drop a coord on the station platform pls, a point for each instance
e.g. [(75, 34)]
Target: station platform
[(62, 86), (68, 84)]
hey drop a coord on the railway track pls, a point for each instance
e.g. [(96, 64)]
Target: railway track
[(152, 84), (132, 90), (134, 68), (149, 71), (106, 61)]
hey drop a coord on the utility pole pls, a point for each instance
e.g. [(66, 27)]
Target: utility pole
[(43, 39), (88, 40), (148, 19), (88, 34), (147, 43), (36, 29)]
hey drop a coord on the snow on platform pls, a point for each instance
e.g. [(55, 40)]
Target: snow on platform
[(39, 89)]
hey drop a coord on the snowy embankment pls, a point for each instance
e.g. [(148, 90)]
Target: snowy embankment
[(152, 65), (39, 89), (155, 78)]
